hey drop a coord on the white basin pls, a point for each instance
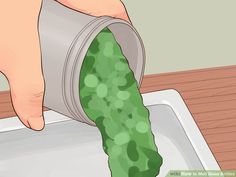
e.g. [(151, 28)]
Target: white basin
[(67, 148)]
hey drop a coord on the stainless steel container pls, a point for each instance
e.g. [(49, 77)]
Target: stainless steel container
[(65, 37)]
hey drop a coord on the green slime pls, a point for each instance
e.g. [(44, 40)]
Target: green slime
[(110, 97)]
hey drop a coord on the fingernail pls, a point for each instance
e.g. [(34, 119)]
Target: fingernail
[(36, 123)]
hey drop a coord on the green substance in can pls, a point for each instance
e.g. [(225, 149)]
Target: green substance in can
[(110, 97)]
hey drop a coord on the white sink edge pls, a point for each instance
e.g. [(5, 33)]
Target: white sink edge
[(173, 99), (168, 97)]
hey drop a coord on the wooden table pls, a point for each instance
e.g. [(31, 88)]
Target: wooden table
[(210, 95)]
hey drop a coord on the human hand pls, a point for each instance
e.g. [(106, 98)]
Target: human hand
[(20, 56), (20, 59), (113, 8)]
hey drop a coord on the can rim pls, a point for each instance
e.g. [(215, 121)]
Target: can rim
[(98, 25)]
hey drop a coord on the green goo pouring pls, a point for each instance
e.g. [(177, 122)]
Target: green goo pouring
[(93, 68)]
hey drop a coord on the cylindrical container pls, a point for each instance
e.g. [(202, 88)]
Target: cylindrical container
[(65, 37)]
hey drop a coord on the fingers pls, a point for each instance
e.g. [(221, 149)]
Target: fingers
[(113, 8), (124, 15), (26, 81), (27, 91), (27, 99)]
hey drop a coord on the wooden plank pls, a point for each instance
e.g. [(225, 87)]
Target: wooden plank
[(203, 93), (210, 107), (211, 99), (215, 115), (221, 138), (195, 85), (216, 131), (7, 114), (6, 107), (224, 123), (228, 165), (226, 156), (223, 147)]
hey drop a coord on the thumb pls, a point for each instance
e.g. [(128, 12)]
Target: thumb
[(27, 84), (27, 93)]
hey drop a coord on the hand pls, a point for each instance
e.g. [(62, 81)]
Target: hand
[(20, 59), (113, 8), (20, 56)]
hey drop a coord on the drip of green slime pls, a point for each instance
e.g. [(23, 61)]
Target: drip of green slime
[(110, 97)]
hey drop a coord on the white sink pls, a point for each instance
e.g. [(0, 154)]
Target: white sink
[(67, 148)]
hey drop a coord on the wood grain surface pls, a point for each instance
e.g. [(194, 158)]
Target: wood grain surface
[(210, 95)]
